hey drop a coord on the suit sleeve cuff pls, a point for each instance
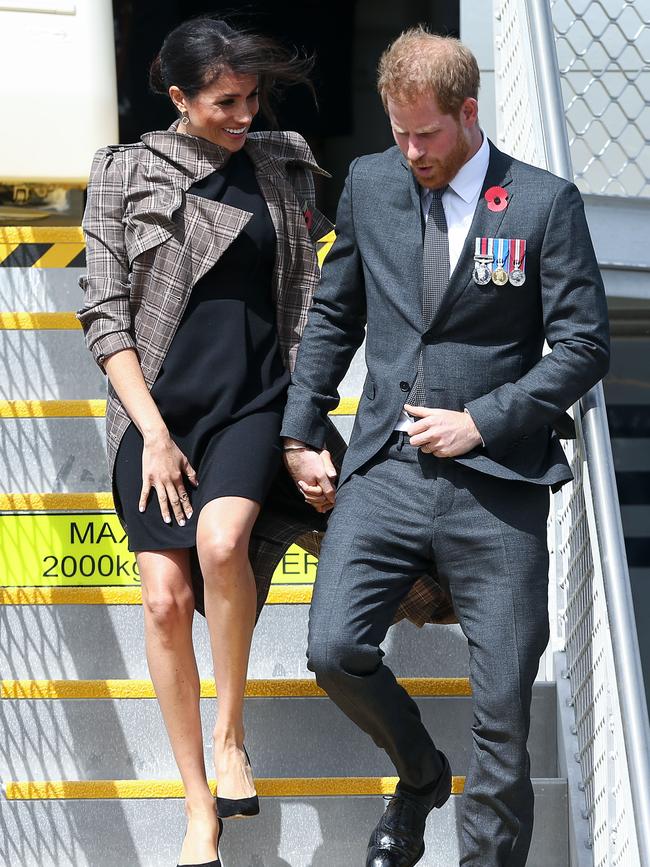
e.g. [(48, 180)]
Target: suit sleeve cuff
[(476, 426)]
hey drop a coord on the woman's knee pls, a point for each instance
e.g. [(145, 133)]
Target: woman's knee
[(168, 608), (220, 552)]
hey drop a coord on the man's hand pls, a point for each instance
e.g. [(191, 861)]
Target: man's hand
[(442, 432), (313, 472)]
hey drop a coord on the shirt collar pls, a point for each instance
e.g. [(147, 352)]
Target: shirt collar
[(469, 179)]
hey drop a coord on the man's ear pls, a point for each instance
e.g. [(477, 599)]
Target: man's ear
[(469, 112)]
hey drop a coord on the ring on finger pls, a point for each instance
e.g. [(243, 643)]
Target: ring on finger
[(183, 496)]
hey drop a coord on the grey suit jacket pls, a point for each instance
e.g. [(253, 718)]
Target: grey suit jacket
[(483, 349)]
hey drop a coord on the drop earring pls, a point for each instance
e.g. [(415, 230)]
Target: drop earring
[(185, 119)]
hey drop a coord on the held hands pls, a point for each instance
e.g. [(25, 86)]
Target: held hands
[(313, 472), (442, 432), (163, 468)]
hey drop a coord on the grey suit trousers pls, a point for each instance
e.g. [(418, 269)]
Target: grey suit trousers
[(399, 513)]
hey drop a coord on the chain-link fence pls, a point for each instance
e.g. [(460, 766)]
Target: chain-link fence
[(603, 49)]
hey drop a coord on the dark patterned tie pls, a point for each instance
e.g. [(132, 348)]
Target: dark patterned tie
[(435, 279)]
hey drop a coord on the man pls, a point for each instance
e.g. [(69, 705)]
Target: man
[(461, 261)]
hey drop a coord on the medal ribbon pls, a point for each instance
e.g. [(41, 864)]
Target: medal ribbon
[(483, 248), (501, 251), (520, 253), (517, 253)]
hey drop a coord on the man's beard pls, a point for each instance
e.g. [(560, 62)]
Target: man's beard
[(447, 168)]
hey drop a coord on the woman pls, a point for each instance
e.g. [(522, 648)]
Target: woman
[(201, 267)]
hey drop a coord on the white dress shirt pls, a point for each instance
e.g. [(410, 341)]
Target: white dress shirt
[(459, 204)]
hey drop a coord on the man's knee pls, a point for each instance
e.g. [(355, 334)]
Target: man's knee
[(337, 658)]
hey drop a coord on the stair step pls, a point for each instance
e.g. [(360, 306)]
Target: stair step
[(46, 641), (47, 290), (288, 732), (310, 829), (45, 453), (49, 364)]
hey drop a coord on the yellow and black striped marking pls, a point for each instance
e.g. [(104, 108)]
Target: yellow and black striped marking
[(324, 245), (63, 247), (44, 247)]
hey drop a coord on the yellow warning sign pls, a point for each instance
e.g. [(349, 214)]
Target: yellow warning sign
[(85, 549)]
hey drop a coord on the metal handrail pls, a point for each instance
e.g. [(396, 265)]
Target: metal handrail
[(592, 422)]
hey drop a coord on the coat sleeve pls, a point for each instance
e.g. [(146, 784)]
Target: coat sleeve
[(574, 310), (106, 314), (335, 330)]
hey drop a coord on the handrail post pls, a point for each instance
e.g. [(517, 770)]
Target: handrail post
[(549, 88), (620, 607)]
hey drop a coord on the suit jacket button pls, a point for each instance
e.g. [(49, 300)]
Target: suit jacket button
[(404, 386)]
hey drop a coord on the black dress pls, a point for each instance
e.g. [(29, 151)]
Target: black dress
[(221, 389)]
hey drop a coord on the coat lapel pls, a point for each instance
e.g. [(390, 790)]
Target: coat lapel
[(204, 228), (486, 223)]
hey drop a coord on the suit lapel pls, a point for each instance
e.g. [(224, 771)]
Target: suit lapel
[(404, 217), (485, 223)]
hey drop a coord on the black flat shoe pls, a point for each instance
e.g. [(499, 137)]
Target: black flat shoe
[(398, 839), (230, 808), (216, 863)]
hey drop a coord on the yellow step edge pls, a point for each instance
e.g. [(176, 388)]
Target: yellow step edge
[(97, 408), (270, 787), (34, 321), (41, 235), (52, 408), (272, 688), (295, 594), (101, 501)]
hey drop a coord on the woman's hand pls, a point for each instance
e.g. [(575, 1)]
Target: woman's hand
[(163, 468)]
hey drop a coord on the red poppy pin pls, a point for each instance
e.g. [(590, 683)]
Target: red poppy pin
[(496, 198), (309, 218)]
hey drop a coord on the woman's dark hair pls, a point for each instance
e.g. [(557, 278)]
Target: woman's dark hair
[(196, 52)]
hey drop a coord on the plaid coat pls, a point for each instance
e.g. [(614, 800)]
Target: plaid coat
[(148, 242)]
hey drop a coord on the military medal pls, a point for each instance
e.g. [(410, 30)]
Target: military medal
[(483, 257), (499, 273), (517, 260)]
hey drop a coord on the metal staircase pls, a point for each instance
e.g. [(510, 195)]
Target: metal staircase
[(87, 772)]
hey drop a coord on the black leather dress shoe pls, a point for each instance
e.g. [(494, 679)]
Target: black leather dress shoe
[(398, 839)]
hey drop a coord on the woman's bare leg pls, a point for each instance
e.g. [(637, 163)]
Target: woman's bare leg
[(168, 602), (223, 534)]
